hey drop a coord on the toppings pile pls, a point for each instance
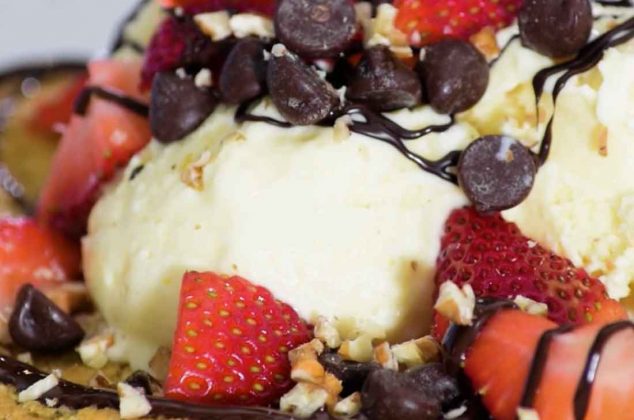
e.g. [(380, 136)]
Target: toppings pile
[(237, 345)]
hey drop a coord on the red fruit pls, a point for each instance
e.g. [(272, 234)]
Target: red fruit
[(499, 362), (265, 7), (58, 108), (429, 21), (231, 343), (30, 253), (93, 147), (498, 261), (165, 50)]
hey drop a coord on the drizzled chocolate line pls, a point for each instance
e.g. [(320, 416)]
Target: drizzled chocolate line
[(538, 365), (21, 376), (588, 58), (379, 127), (504, 49), (616, 3), (127, 102), (589, 375)]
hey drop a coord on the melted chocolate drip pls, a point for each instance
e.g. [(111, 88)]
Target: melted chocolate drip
[(21, 376), (616, 3), (120, 37), (538, 365), (504, 49), (587, 58), (588, 377), (127, 102)]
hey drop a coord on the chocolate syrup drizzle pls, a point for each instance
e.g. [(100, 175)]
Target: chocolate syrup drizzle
[(459, 339), (127, 102)]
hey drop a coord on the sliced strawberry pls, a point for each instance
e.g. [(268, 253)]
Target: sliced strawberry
[(429, 21), (499, 361), (231, 343), (58, 108), (266, 7), (499, 262), (30, 253), (93, 147)]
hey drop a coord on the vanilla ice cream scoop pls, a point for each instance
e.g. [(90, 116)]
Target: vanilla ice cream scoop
[(337, 225)]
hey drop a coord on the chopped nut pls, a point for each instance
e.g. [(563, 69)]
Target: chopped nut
[(247, 24), (159, 364), (132, 402), (93, 351), (456, 412), (527, 414), (486, 42), (363, 11), (349, 406), (25, 358), (530, 306), (310, 350), (70, 297), (333, 386), (279, 50), (358, 350), (417, 352), (303, 400), (324, 329), (342, 132), (193, 173), (39, 388), (308, 370), (456, 304), (214, 25), (51, 402), (603, 141), (382, 31), (204, 78), (100, 380), (383, 356)]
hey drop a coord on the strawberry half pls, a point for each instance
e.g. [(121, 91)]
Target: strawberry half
[(429, 21), (497, 261), (499, 362), (231, 343)]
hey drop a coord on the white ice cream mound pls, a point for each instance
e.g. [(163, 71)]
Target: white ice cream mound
[(344, 226)]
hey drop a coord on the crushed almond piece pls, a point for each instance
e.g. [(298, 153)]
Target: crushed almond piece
[(349, 406), (486, 42), (530, 306), (100, 380), (326, 331), (93, 351), (417, 352), (39, 388), (192, 176), (303, 400), (358, 350), (248, 24), (132, 402), (382, 29), (456, 304), (25, 358), (214, 24), (310, 350), (383, 356), (342, 128), (333, 387), (308, 370)]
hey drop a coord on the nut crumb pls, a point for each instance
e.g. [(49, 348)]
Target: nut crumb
[(214, 24), (602, 139), (486, 42), (326, 332), (384, 356), (349, 406), (417, 352), (39, 388), (93, 351), (247, 24), (456, 304), (132, 402), (192, 175), (530, 306), (303, 400), (204, 78)]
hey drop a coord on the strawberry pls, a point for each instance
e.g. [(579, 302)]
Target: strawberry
[(93, 147), (231, 343), (429, 21), (265, 7), (58, 108), (499, 262), (30, 253), (499, 362)]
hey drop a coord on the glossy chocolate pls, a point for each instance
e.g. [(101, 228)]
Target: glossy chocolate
[(133, 105), (243, 75)]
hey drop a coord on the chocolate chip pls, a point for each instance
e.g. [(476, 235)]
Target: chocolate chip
[(383, 82), (434, 379), (351, 374), (300, 95), (455, 75), (143, 380), (496, 173), (37, 324), (316, 28), (243, 76), (178, 106), (390, 395), (556, 28)]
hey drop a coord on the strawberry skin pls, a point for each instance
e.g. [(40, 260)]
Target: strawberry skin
[(429, 21), (57, 109), (510, 339), (231, 343), (497, 261)]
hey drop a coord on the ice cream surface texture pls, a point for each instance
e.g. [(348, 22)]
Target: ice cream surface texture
[(345, 228)]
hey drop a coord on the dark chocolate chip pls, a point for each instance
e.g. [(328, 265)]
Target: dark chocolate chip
[(351, 374), (178, 106), (37, 324), (435, 380), (143, 380), (383, 82), (316, 28), (556, 28), (455, 75), (496, 173), (390, 395), (243, 76), (300, 95)]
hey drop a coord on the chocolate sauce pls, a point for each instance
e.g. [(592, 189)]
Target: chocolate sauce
[(588, 377), (21, 376), (587, 58), (120, 39), (616, 3), (504, 49), (127, 102), (538, 365)]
